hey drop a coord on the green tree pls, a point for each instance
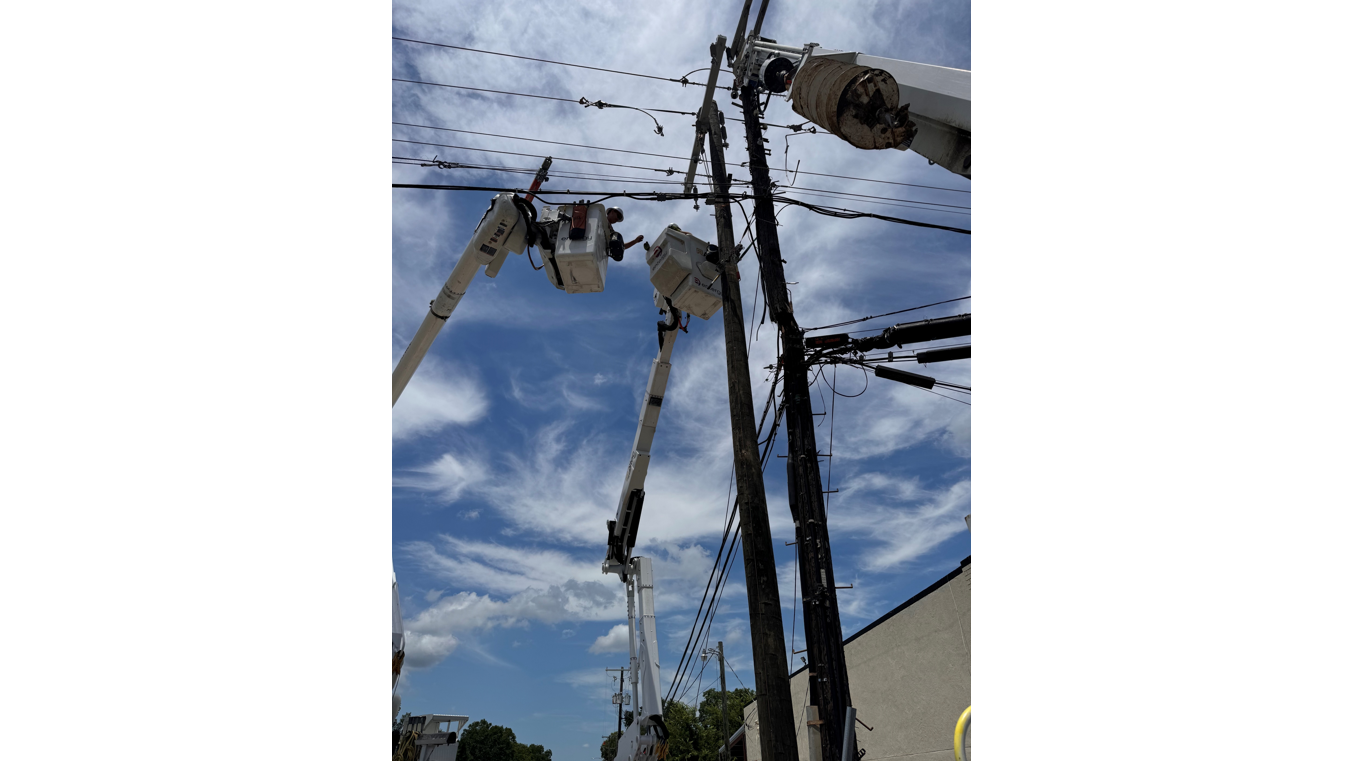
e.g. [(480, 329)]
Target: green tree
[(532, 753), (698, 735), (484, 741), (610, 748)]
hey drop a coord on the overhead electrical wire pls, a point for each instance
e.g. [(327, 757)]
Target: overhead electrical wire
[(687, 654), (536, 140), (791, 188), (668, 172), (886, 314), (481, 89), (580, 101), (900, 203), (665, 156), (682, 81), (866, 179), (828, 211), (570, 175)]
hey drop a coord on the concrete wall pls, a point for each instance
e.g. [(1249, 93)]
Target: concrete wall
[(909, 676)]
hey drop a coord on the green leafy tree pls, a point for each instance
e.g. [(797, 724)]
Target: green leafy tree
[(698, 735), (484, 741), (532, 753), (610, 748)]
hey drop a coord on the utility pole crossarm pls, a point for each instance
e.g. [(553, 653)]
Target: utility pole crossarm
[(716, 50)]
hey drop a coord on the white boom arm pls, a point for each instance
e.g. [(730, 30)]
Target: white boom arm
[(624, 528), (869, 101), (641, 738), (501, 230)]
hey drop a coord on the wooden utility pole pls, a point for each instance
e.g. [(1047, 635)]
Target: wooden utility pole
[(774, 706), (827, 679)]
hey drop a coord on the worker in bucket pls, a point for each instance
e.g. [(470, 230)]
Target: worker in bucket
[(615, 215)]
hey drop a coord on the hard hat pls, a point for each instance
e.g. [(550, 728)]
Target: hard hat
[(616, 210)]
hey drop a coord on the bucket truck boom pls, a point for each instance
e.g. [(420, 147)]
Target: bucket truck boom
[(574, 239), (685, 281), (870, 102)]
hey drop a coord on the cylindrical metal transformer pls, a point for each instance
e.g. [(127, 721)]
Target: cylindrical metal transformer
[(856, 103)]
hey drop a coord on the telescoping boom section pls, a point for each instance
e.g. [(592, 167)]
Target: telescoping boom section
[(686, 281)]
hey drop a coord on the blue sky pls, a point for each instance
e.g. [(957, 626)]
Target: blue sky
[(510, 444)]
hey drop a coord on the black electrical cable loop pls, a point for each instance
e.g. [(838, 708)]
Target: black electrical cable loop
[(836, 393), (603, 104), (540, 60)]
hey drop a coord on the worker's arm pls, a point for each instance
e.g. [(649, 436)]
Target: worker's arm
[(633, 242)]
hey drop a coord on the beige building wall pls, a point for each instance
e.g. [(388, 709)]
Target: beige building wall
[(909, 675)]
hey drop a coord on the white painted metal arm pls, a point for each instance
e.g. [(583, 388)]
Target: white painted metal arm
[(641, 738), (502, 229), (624, 528)]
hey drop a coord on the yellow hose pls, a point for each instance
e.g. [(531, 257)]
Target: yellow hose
[(962, 727)]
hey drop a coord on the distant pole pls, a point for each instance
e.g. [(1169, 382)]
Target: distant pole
[(723, 684), (621, 671)]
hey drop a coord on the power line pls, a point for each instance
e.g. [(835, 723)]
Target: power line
[(887, 314), (514, 170), (681, 81), (828, 211), (479, 89), (580, 101), (901, 203), (791, 189), (684, 665), (668, 171), (677, 158), (536, 140), (866, 179), (436, 162)]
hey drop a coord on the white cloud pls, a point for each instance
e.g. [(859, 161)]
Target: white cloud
[(903, 533), (424, 650), (436, 398), (615, 641), (449, 476)]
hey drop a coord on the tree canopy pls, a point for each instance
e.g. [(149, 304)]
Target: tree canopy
[(484, 741), (694, 737)]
